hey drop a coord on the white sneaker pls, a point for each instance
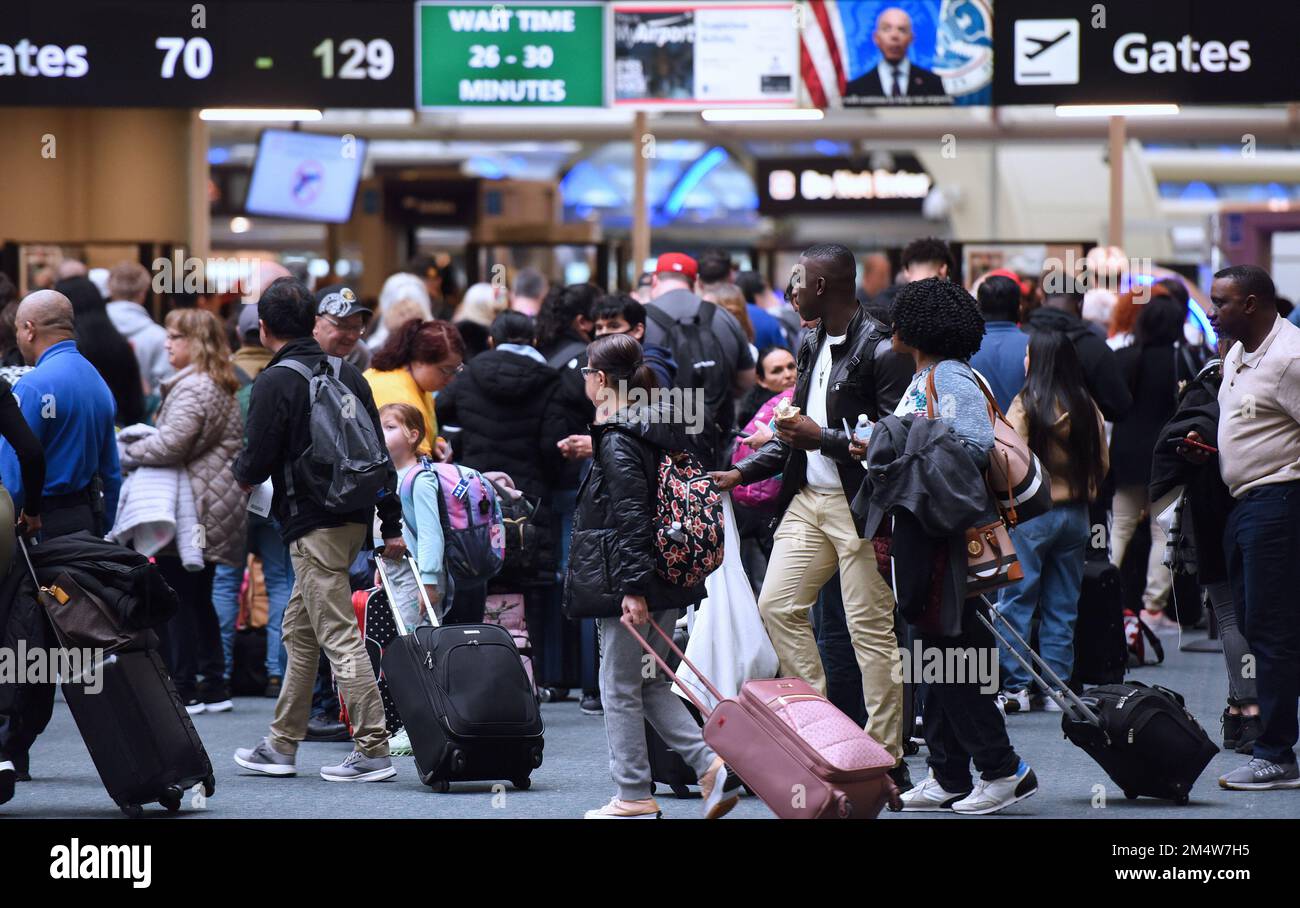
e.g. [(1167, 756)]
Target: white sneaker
[(929, 795), (1013, 701), (990, 797), (1050, 705)]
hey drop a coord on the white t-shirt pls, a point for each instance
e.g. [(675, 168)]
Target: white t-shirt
[(822, 473)]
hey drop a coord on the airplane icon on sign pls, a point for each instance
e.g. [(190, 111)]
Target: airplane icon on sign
[(1046, 51)]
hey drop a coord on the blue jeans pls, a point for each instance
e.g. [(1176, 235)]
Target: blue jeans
[(1262, 542), (1051, 551), (263, 541)]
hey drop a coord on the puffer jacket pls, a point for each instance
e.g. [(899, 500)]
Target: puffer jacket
[(200, 428), (611, 553)]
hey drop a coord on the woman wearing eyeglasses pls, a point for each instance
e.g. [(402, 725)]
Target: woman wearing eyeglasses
[(417, 361)]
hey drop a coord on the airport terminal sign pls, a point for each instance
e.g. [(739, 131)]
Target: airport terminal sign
[(510, 54), (1175, 51)]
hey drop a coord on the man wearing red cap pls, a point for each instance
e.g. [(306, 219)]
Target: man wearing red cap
[(708, 343)]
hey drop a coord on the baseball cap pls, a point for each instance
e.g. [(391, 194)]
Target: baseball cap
[(679, 262), (248, 320), (339, 301)]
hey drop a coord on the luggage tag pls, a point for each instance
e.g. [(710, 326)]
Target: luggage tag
[(259, 501)]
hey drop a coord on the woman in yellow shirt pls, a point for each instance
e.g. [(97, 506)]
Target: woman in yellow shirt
[(416, 361)]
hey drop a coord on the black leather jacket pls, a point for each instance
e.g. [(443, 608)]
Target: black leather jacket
[(611, 552), (867, 376)]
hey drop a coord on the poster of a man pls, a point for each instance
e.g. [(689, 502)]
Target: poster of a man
[(895, 78)]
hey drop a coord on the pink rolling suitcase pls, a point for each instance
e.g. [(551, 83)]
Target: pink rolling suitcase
[(796, 751)]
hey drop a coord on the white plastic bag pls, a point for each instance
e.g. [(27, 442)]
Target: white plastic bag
[(728, 641)]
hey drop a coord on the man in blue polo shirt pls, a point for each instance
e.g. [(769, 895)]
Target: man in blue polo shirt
[(71, 410)]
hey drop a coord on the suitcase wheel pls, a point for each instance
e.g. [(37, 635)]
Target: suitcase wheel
[(458, 761), (1182, 800), (1131, 795), (441, 786), (171, 799), (209, 786), (522, 784), (537, 757), (133, 811), (843, 807)]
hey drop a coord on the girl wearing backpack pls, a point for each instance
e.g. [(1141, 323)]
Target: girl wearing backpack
[(404, 432), (612, 577)]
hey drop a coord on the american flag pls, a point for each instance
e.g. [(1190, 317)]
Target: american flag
[(822, 53)]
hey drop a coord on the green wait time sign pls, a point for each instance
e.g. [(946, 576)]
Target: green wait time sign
[(510, 54)]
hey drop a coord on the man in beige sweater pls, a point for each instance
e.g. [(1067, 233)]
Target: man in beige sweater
[(1259, 457)]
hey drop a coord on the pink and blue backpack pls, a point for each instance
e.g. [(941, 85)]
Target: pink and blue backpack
[(474, 536)]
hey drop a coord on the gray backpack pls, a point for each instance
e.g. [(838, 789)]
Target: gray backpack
[(346, 464)]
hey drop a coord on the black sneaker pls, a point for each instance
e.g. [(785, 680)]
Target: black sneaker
[(591, 705), (1231, 729), (902, 777), (273, 684), (320, 728), (216, 696), (1250, 729)]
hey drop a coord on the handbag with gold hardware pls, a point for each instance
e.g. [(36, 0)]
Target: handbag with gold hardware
[(990, 558)]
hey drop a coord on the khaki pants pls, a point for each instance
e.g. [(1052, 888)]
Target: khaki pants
[(319, 616), (1127, 509), (816, 537)]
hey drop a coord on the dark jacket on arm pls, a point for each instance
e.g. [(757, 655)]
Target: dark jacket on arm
[(611, 554), (866, 376), (278, 432)]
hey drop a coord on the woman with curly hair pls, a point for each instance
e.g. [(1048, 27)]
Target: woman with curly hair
[(938, 324)]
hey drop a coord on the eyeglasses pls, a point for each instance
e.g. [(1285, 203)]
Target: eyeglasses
[(452, 372), (588, 370), (343, 326)]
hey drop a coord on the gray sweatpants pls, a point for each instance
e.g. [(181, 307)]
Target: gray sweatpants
[(634, 690)]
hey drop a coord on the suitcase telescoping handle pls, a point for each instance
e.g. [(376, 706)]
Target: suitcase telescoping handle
[(392, 600), (31, 569), (1058, 690), (645, 645)]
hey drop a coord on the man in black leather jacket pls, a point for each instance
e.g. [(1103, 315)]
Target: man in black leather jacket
[(846, 368)]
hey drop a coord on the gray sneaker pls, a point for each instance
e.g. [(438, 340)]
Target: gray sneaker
[(266, 759), (359, 768), (1261, 775)]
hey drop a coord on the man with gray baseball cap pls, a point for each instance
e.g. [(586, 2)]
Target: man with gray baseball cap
[(340, 320)]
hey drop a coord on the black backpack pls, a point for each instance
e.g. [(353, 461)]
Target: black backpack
[(701, 363)]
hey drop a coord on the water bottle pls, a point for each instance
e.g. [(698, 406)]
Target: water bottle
[(862, 431)]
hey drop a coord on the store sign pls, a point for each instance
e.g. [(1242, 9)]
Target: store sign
[(682, 55), (146, 53), (1175, 51), (817, 185), (510, 54), (431, 203)]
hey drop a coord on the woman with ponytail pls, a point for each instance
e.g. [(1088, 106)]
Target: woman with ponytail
[(417, 361), (611, 577)]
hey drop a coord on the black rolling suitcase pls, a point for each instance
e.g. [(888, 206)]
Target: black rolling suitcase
[(1100, 647), (142, 741), (467, 704), (135, 726), (1143, 737)]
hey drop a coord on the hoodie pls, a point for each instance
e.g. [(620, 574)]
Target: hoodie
[(1101, 370), (148, 340), (510, 418)]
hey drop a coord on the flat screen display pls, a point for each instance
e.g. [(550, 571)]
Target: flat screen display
[(305, 176)]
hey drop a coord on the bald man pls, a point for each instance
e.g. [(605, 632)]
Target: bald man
[(895, 78), (70, 410)]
